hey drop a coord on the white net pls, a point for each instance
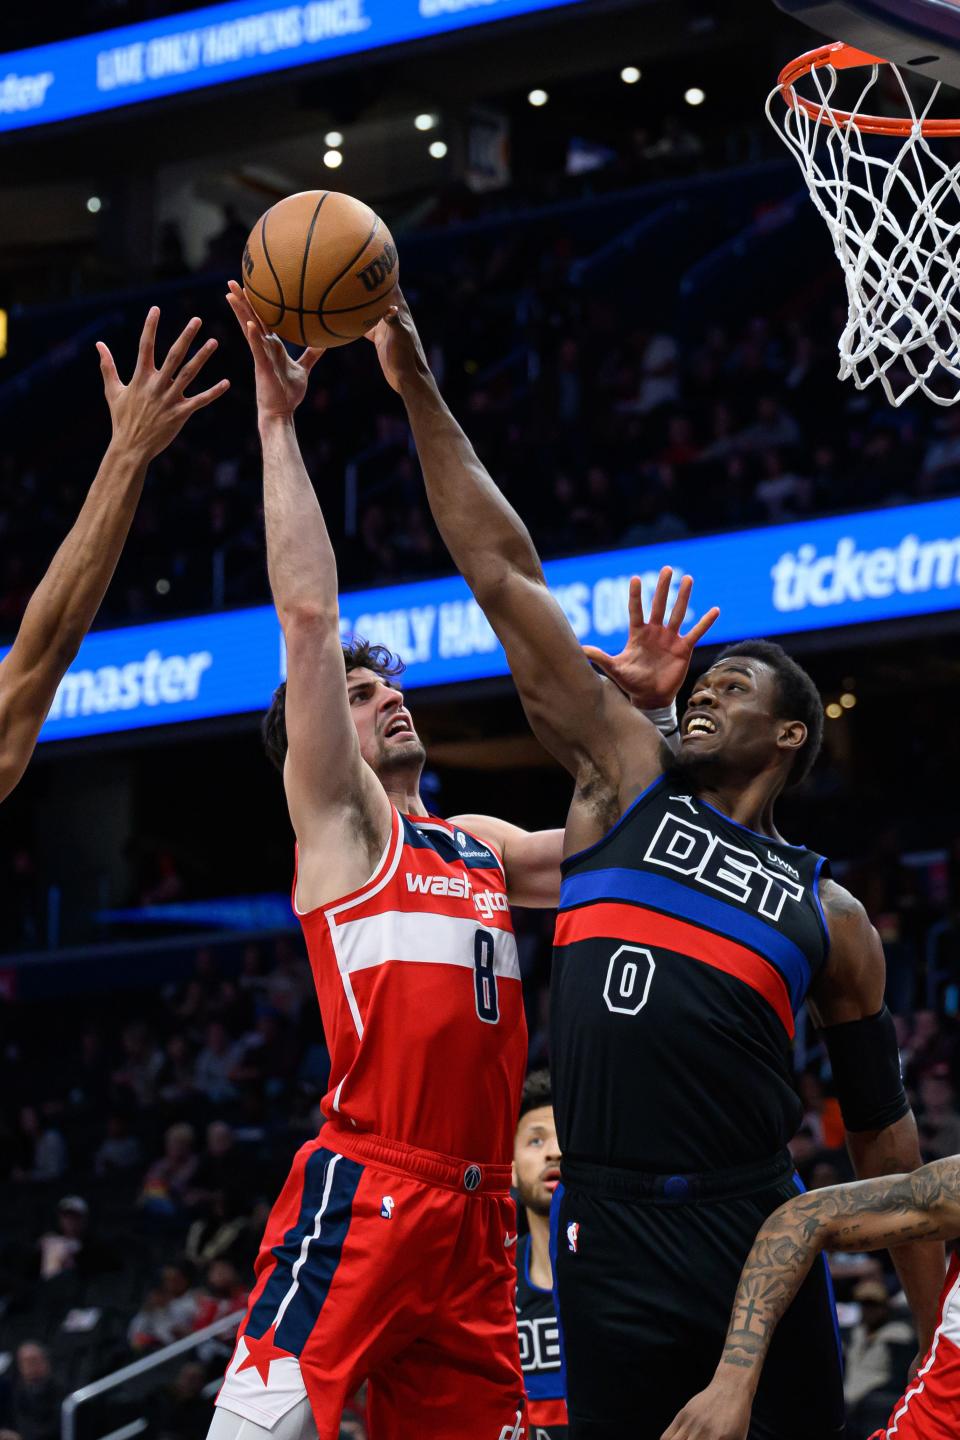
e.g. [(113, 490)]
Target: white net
[(892, 204)]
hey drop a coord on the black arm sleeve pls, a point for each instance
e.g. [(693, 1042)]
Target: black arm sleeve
[(865, 1059)]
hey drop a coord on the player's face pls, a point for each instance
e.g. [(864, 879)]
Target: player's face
[(384, 726), (731, 726), (536, 1160)]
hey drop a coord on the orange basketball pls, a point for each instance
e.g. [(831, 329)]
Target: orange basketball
[(320, 268)]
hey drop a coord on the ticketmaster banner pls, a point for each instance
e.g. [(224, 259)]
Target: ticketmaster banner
[(811, 576), (219, 43)]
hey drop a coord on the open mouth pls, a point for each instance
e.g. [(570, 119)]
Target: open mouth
[(700, 725), (551, 1178), (399, 725)]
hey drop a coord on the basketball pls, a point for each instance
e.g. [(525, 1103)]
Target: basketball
[(320, 268)]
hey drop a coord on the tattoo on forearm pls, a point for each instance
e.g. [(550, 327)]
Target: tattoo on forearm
[(872, 1215)]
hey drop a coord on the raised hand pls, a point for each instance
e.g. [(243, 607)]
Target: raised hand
[(399, 348), (152, 409), (653, 664), (281, 380)]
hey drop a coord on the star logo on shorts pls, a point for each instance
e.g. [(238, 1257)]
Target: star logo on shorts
[(261, 1354)]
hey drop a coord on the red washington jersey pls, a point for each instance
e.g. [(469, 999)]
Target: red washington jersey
[(419, 988), (930, 1408)]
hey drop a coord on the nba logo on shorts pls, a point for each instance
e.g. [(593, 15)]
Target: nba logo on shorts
[(386, 1207), (573, 1236)]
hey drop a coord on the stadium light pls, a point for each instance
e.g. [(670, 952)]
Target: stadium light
[(333, 159), (848, 700), (333, 139), (425, 121), (834, 711), (94, 204), (694, 96), (438, 149), (538, 98), (630, 74)]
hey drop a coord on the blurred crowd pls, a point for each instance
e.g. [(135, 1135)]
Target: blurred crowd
[(605, 429)]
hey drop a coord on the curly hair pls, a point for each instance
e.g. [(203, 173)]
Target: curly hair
[(357, 655)]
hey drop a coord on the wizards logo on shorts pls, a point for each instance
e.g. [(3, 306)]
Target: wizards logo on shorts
[(573, 1236)]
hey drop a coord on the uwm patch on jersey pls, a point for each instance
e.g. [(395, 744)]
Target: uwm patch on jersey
[(419, 988)]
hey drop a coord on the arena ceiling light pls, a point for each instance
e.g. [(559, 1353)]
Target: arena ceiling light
[(333, 159), (438, 149), (694, 96), (94, 204), (333, 139), (630, 74), (834, 711), (426, 121), (538, 98)]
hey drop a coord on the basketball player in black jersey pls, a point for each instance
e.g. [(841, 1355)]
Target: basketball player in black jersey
[(536, 1175), (146, 415), (690, 933)]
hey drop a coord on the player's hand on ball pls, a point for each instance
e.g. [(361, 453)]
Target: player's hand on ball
[(653, 664), (717, 1413), (281, 380), (399, 348), (152, 409)]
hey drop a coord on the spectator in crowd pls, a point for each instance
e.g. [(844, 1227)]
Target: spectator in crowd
[(43, 1150), (216, 1064), (141, 1064), (70, 1244), (35, 1395), (220, 1171), (938, 1121), (119, 1152), (168, 1312), (167, 1181), (181, 1411), (878, 1353), (222, 1294)]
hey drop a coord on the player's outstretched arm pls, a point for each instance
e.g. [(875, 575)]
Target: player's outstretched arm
[(581, 719), (146, 415), (325, 777), (873, 1215), (846, 1002)]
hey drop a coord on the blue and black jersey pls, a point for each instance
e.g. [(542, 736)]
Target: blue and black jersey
[(544, 1377), (685, 946)]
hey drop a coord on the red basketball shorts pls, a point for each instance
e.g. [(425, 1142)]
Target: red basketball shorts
[(391, 1265)]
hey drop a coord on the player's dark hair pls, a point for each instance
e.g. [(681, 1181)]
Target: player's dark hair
[(536, 1092), (357, 655), (799, 698)]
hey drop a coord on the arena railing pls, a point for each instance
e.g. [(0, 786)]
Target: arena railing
[(98, 1388)]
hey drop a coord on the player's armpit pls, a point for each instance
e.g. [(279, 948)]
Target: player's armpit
[(531, 858)]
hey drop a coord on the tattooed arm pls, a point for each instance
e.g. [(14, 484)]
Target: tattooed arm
[(870, 1215)]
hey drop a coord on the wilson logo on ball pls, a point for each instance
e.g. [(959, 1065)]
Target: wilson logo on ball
[(373, 275), (247, 262)]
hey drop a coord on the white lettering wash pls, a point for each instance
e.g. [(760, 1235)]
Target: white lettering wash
[(24, 92), (458, 887), (154, 680), (804, 577)]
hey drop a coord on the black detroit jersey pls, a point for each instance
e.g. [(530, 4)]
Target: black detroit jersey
[(541, 1357), (685, 946)]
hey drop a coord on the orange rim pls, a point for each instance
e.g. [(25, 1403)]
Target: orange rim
[(846, 57)]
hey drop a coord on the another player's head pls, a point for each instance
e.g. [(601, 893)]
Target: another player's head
[(754, 712), (536, 1153), (388, 740)]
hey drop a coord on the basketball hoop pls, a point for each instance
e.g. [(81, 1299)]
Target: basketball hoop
[(893, 212)]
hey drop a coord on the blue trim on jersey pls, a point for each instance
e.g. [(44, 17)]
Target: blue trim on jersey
[(580, 854), (555, 1204), (526, 1263), (831, 1295), (757, 834), (819, 903), (322, 1255), (640, 887)]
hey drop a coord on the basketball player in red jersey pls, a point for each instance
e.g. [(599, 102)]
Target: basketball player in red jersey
[(870, 1216), (147, 414), (389, 1255)]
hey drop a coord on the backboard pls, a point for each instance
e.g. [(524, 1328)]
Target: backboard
[(922, 35)]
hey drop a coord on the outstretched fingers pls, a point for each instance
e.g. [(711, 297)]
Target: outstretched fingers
[(635, 604), (108, 369), (696, 634), (206, 397), (195, 364), (660, 595), (680, 604), (310, 357), (148, 338), (177, 352)]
